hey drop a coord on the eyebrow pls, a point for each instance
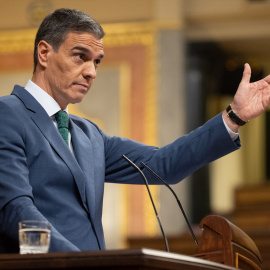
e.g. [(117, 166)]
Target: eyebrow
[(80, 48)]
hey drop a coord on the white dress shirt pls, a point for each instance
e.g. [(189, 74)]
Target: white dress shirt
[(48, 104), (233, 135)]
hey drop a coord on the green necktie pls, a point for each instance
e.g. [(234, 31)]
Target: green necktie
[(62, 123)]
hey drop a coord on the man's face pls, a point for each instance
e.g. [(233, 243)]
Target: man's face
[(70, 71)]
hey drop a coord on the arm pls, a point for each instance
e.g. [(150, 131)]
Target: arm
[(172, 162), (205, 144), (23, 208), (16, 197)]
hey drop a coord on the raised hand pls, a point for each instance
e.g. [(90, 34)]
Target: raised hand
[(251, 99)]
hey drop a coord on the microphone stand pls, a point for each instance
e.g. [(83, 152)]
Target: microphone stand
[(178, 201), (149, 192)]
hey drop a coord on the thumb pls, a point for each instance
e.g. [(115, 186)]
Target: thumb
[(246, 73)]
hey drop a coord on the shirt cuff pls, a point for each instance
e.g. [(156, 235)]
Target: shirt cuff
[(233, 135)]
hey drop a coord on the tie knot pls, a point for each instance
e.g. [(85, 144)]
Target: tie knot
[(62, 119)]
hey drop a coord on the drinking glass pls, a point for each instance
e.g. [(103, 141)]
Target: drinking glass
[(34, 236)]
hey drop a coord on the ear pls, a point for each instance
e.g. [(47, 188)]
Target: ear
[(43, 51)]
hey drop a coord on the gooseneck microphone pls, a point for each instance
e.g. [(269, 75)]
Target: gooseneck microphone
[(178, 201), (149, 192)]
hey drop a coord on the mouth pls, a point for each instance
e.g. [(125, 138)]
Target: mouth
[(83, 86)]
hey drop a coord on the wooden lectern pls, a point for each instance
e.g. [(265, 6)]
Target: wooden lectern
[(223, 246), (223, 242)]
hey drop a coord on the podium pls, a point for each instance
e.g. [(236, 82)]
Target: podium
[(220, 241), (112, 260), (222, 246), (223, 242)]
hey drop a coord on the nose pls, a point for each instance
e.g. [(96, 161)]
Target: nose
[(89, 70)]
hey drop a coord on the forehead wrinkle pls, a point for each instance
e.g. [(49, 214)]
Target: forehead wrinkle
[(98, 43)]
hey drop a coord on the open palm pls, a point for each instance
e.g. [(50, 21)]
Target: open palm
[(251, 99)]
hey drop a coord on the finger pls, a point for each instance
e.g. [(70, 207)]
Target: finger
[(246, 73), (267, 79)]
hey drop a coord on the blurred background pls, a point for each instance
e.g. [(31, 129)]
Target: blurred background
[(170, 65)]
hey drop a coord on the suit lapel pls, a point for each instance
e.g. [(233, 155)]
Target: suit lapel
[(47, 128)]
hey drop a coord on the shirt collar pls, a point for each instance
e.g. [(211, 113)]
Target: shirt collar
[(43, 98)]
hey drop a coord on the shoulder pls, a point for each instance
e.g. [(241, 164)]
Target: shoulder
[(12, 117), (9, 105), (9, 100), (13, 99)]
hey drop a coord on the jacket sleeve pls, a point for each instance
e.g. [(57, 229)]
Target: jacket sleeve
[(172, 162), (22, 208)]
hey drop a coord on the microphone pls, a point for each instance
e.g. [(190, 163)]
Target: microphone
[(150, 195), (178, 201)]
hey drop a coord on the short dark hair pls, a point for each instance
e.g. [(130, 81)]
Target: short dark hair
[(58, 24)]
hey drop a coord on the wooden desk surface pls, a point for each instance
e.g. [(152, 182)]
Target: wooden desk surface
[(111, 259)]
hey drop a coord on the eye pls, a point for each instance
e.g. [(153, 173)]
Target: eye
[(80, 56), (97, 62)]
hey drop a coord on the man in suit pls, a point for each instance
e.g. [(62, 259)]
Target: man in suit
[(43, 177)]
